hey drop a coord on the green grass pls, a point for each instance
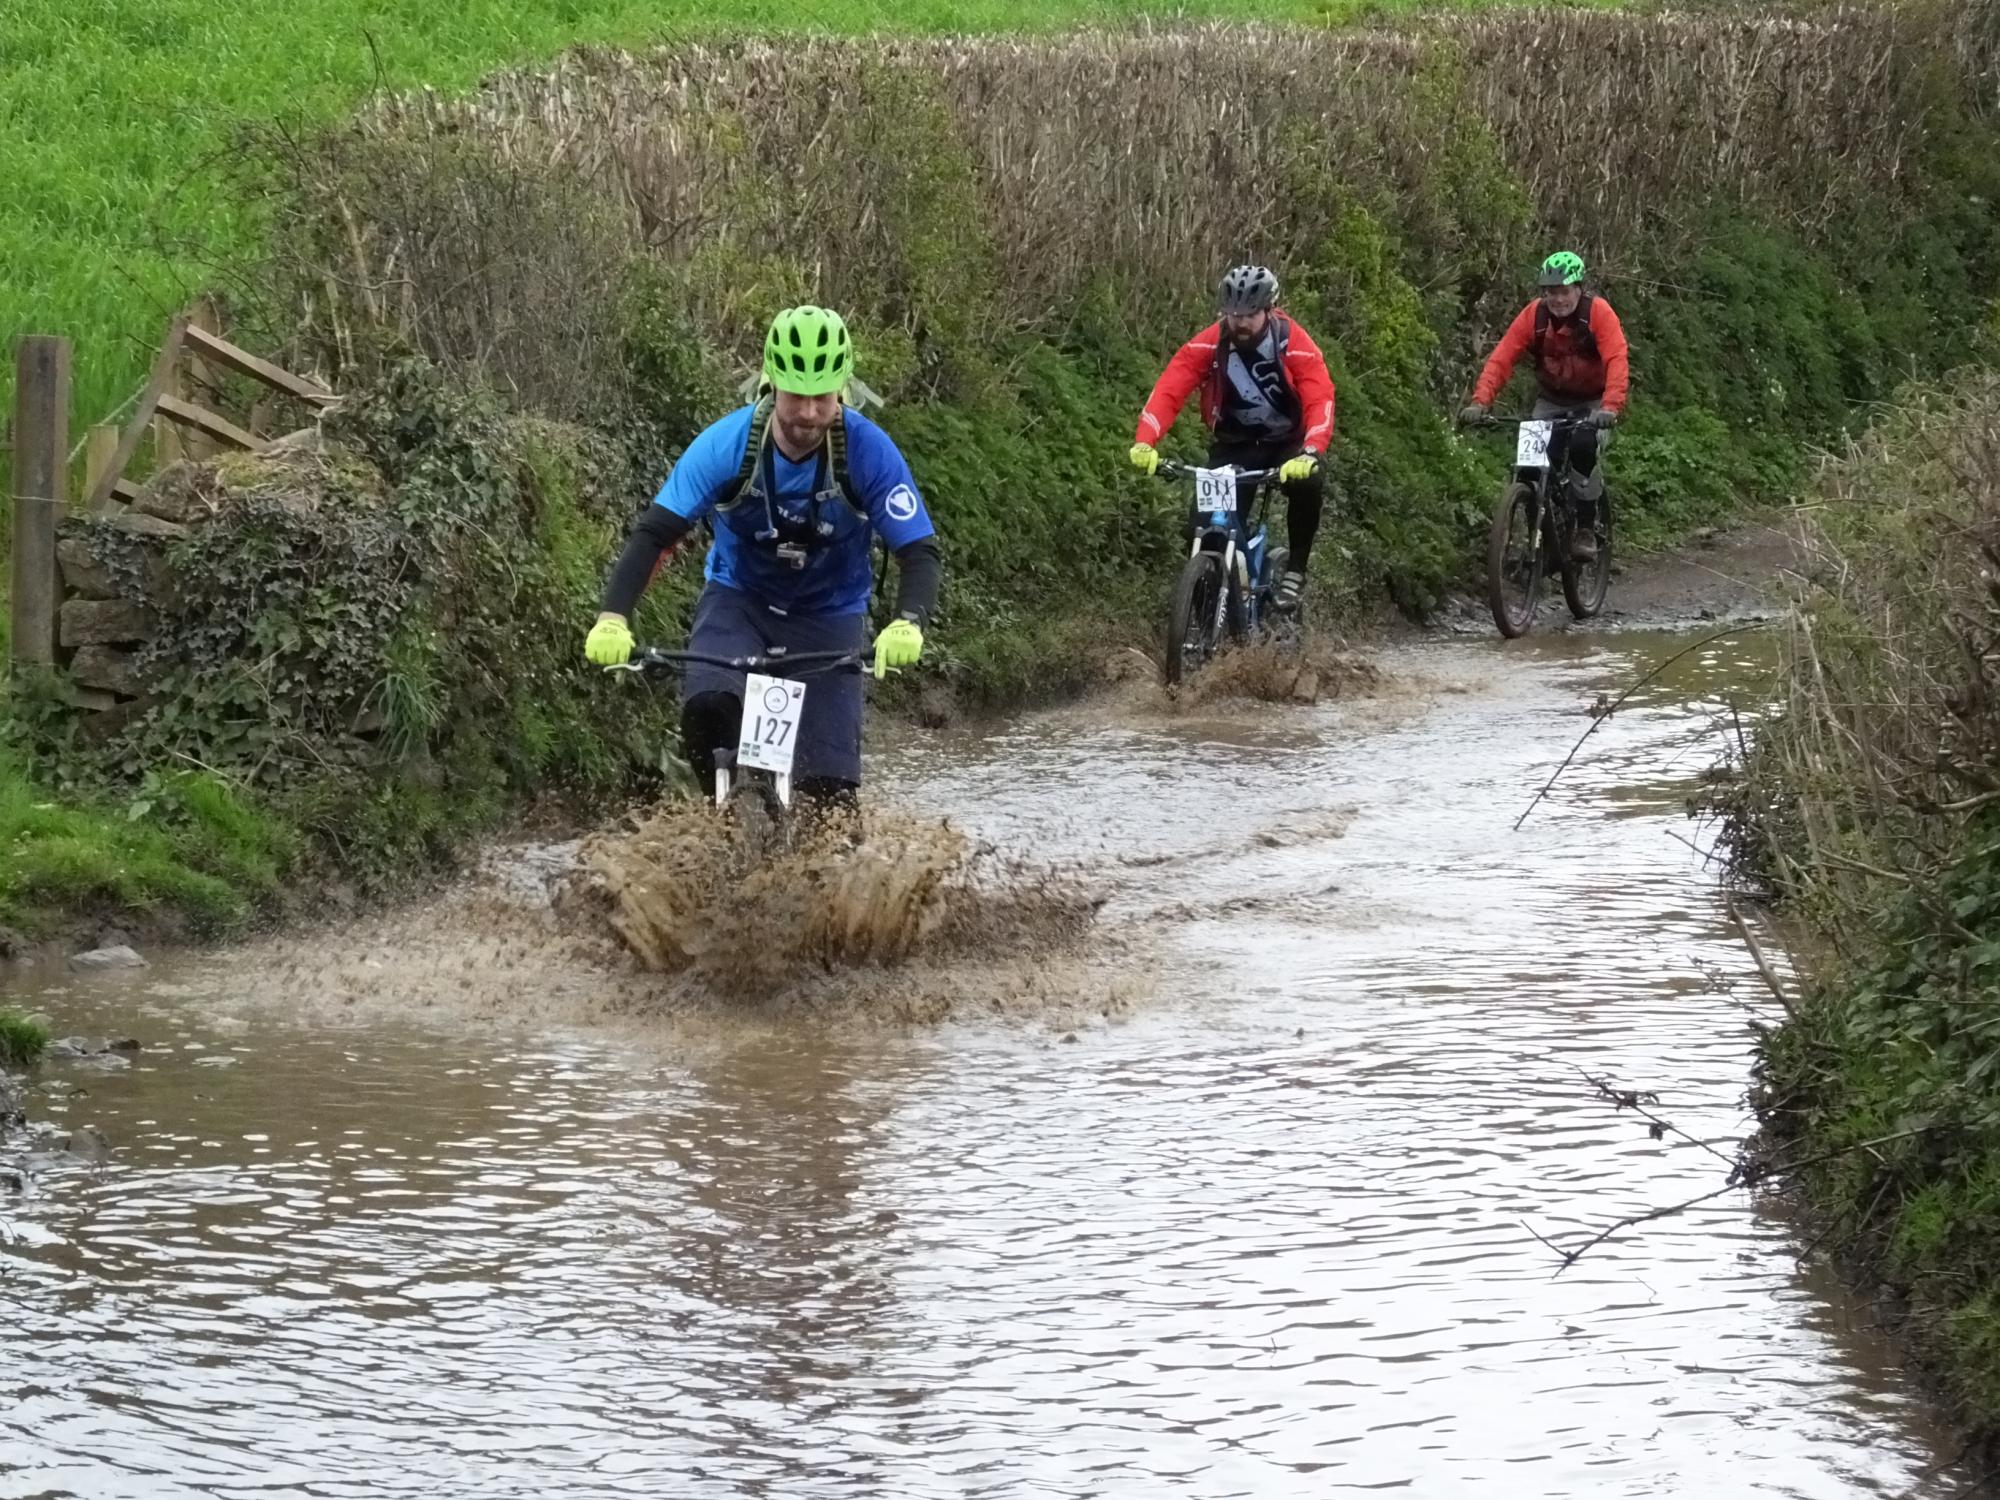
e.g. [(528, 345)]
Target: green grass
[(185, 846), (22, 1040), (1884, 1079), (113, 107)]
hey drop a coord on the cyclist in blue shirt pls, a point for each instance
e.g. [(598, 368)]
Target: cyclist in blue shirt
[(795, 487)]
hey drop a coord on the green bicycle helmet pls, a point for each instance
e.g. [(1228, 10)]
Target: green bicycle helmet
[(1564, 268), (807, 352)]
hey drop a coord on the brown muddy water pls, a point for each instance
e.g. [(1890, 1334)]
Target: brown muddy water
[(1249, 1218)]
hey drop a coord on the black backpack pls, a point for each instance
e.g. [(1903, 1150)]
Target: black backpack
[(1585, 340)]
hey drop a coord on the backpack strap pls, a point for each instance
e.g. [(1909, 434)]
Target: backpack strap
[(753, 454), (759, 440), (836, 443), (1282, 343), (1586, 340)]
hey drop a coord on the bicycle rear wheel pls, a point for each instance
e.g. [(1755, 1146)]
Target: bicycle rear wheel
[(1584, 584), (1194, 623), (1514, 560)]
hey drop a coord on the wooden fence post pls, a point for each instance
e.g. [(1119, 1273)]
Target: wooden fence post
[(41, 452), (201, 383), (187, 380), (99, 444)]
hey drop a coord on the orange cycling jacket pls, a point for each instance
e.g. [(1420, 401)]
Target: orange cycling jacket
[(1199, 362), (1579, 358)]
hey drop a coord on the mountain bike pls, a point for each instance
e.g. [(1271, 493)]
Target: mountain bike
[(753, 781), (1533, 522), (1226, 584)]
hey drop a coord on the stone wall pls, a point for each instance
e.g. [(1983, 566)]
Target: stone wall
[(116, 579)]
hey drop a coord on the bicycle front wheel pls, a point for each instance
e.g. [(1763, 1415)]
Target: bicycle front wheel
[(1194, 624), (1514, 560), (763, 823)]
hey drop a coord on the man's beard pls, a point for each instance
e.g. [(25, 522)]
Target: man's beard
[(801, 438)]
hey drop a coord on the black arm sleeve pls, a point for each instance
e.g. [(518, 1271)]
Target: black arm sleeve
[(920, 570), (654, 532)]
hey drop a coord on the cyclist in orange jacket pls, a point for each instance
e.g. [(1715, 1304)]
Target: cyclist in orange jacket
[(1581, 370), (1267, 399)]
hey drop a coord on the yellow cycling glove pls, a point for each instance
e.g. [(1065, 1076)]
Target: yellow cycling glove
[(609, 643), (898, 646)]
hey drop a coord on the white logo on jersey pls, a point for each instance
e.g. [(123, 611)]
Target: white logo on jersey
[(901, 504)]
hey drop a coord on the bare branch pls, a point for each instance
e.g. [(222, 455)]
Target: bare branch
[(1637, 1102), (1757, 955), (1599, 718)]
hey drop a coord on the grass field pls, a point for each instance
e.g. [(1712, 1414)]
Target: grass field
[(113, 108)]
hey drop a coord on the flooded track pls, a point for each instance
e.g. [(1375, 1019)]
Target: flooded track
[(1265, 1231)]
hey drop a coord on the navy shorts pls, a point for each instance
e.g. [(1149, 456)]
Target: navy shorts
[(728, 622)]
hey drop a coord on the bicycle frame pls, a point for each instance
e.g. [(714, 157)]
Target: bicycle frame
[(1234, 533), (1548, 479), (656, 662)]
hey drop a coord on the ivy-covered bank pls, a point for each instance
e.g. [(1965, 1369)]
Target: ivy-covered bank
[(1870, 809), (360, 652), (534, 296)]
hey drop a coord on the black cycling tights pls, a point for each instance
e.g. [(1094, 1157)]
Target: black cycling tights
[(709, 722), (1581, 445)]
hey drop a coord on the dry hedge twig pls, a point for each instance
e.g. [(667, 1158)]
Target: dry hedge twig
[(1024, 177)]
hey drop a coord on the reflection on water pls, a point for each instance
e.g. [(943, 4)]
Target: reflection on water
[(1268, 1236)]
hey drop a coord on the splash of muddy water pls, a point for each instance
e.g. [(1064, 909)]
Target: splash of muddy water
[(691, 895), (456, 1204)]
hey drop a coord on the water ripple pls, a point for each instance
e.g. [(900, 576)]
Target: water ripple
[(1268, 1237)]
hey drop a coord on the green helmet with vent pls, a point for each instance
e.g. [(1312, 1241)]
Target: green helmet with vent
[(1564, 268), (807, 352)]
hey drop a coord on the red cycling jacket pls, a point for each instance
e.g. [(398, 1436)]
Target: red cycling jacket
[(1199, 363), (1579, 358)]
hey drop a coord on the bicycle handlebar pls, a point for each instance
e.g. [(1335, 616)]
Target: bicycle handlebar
[(655, 660), (1171, 470), (1492, 421)]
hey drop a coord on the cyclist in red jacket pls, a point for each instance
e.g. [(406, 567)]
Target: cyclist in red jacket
[(1267, 400), (1581, 371)]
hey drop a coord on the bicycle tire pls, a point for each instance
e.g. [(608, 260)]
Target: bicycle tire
[(1584, 588), (1513, 616), (1192, 622), (763, 823)]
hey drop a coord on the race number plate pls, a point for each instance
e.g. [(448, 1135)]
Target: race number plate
[(1531, 449), (770, 735), (1215, 489)]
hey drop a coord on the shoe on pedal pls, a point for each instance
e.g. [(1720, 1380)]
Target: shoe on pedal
[(1583, 545), (1285, 598)]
